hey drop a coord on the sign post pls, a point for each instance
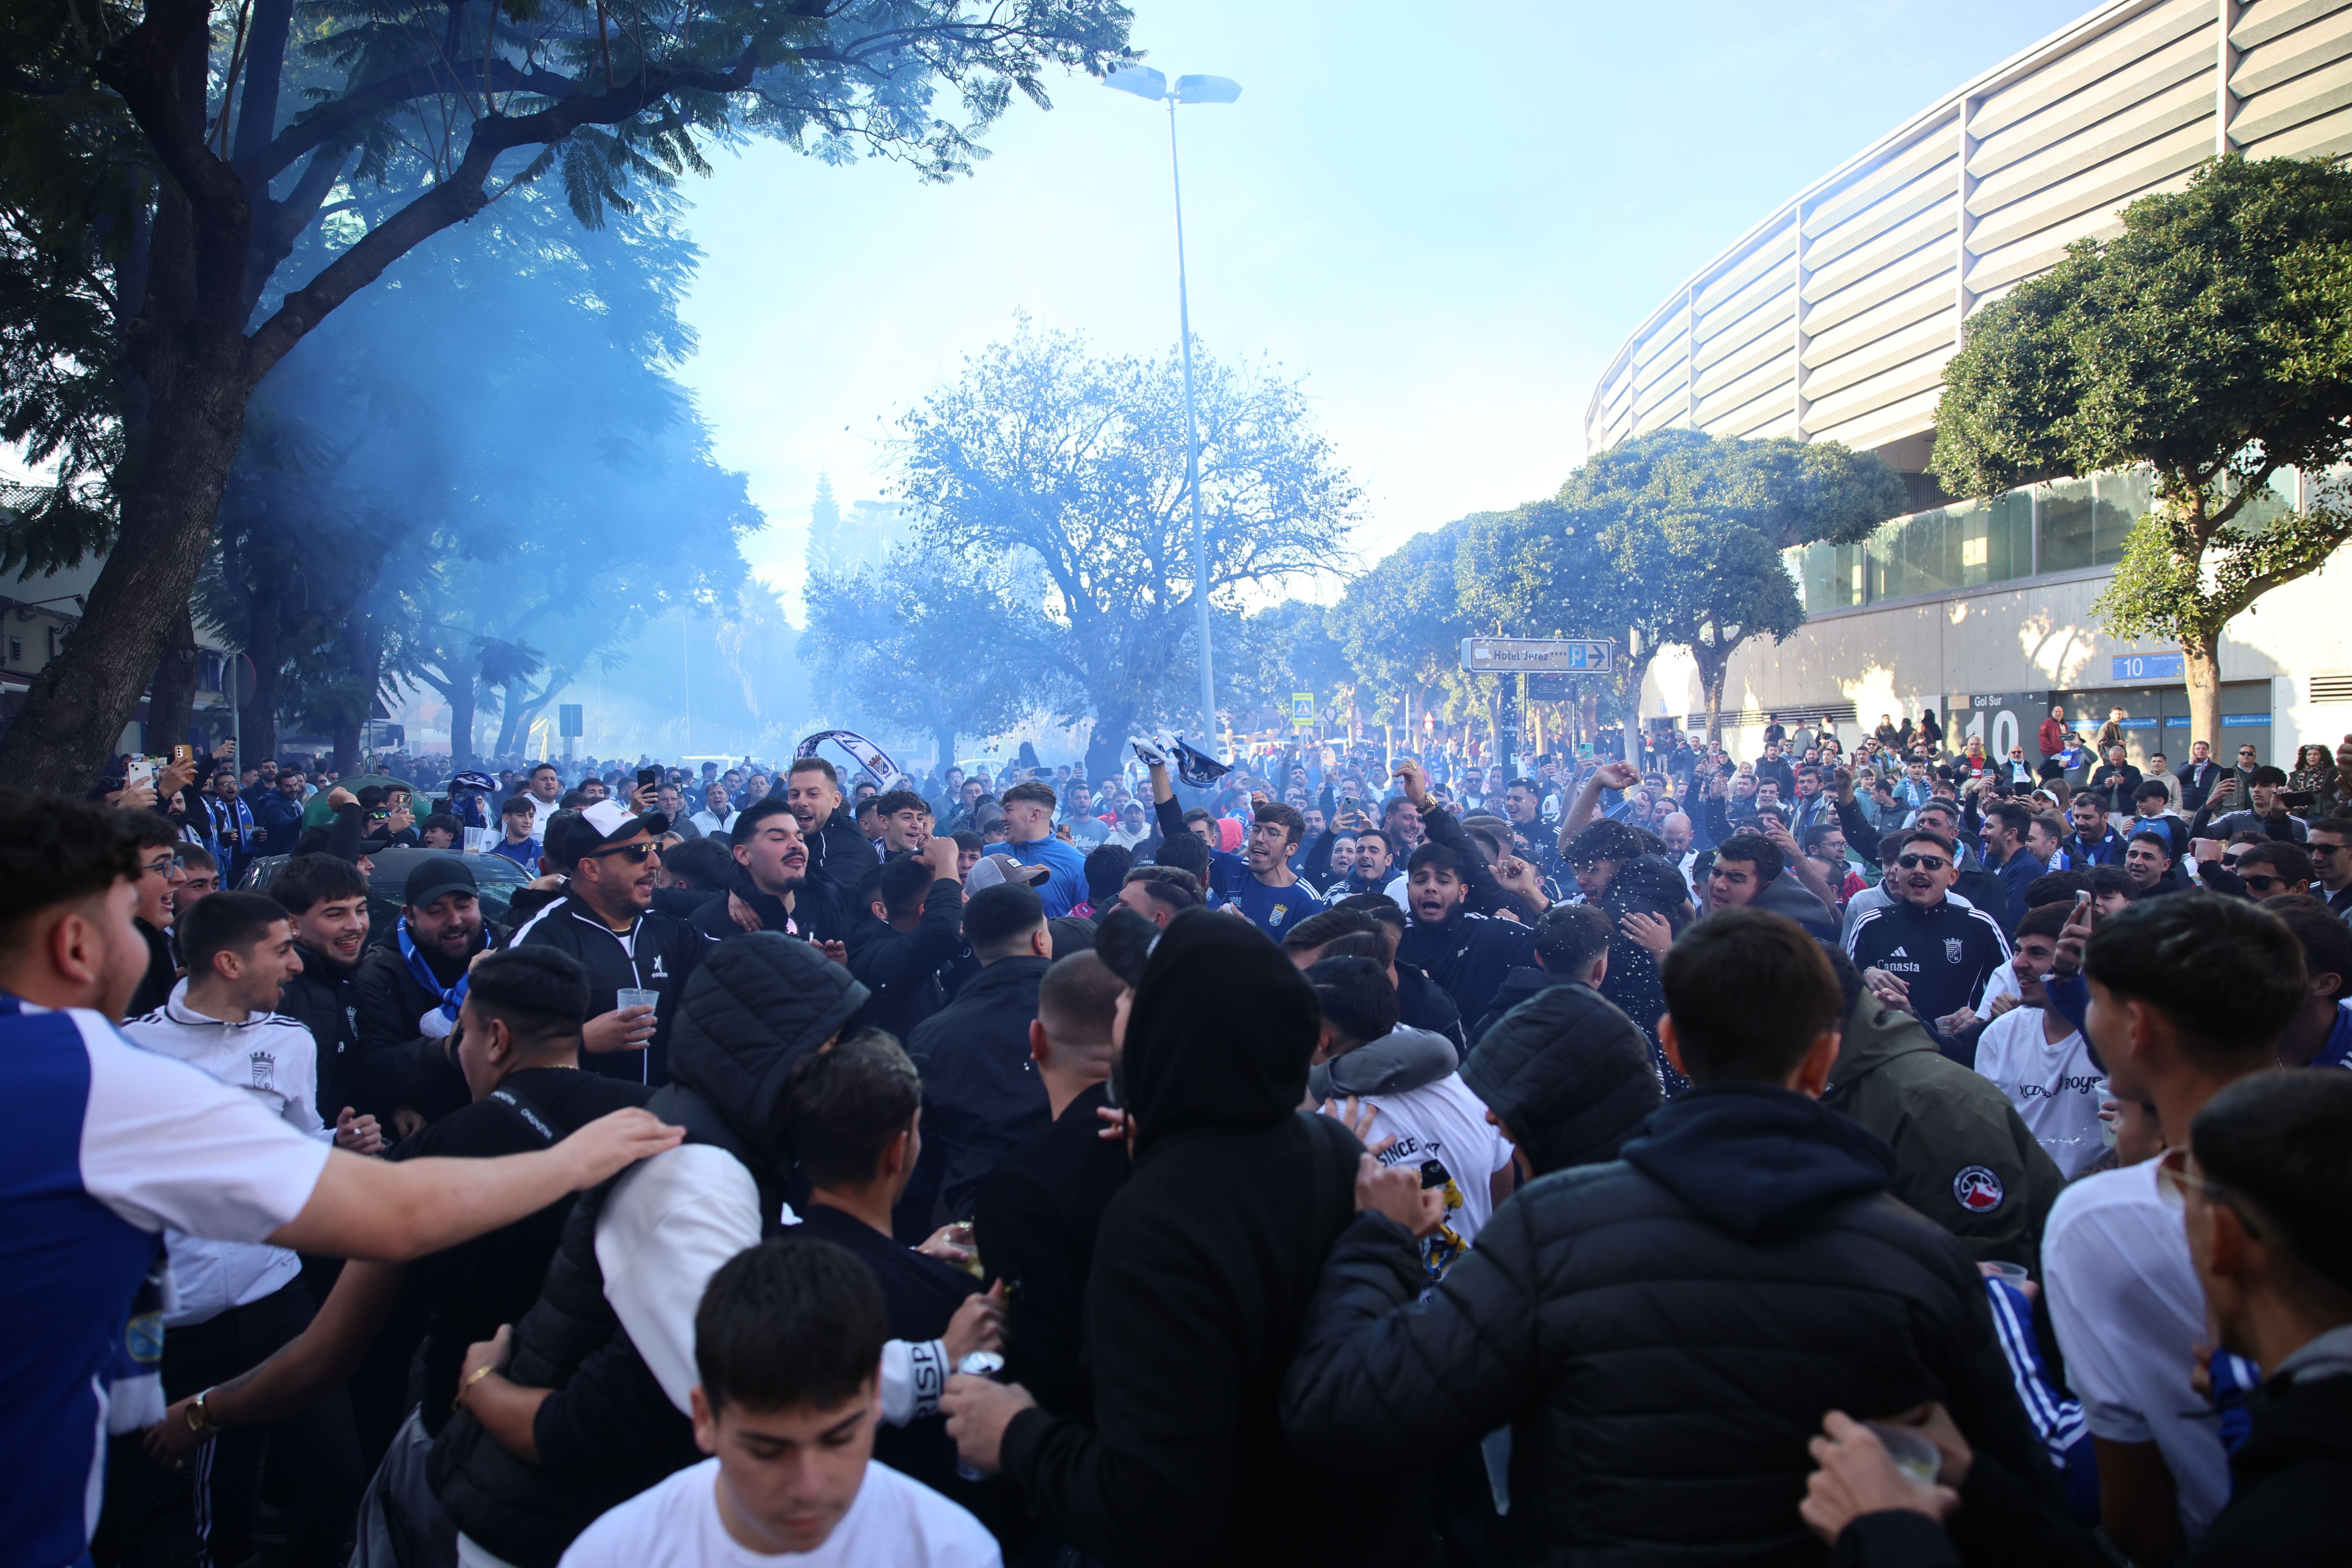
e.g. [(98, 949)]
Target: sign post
[(1539, 656), (568, 723)]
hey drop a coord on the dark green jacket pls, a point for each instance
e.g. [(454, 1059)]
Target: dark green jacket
[(1962, 1157)]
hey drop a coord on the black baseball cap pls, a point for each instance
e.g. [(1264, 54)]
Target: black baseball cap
[(440, 874)]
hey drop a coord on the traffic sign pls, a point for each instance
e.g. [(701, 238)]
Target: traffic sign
[(1545, 656), (1302, 709)]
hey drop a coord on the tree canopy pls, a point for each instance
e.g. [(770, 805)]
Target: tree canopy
[(2211, 341)]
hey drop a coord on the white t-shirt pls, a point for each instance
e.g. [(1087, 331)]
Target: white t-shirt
[(895, 1522), (671, 1221), (2056, 1088), (1445, 1121), (2001, 983), (2130, 1315)]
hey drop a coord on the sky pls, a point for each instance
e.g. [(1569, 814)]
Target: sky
[(1444, 232)]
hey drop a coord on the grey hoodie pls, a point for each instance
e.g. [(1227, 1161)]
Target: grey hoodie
[(1405, 1059)]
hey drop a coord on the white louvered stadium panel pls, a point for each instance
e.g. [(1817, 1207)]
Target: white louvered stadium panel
[(1981, 189)]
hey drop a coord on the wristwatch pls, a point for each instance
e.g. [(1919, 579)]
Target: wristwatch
[(200, 1421)]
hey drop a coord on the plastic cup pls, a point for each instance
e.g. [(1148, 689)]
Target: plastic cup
[(635, 997), (1913, 1454), (2013, 1274), (477, 841)]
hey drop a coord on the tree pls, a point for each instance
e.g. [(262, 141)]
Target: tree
[(922, 646), (1066, 474), (454, 105), (1402, 622), (2211, 341)]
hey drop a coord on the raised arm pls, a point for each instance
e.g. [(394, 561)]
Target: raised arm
[(393, 1213), (1608, 775)]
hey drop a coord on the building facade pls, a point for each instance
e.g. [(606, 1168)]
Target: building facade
[(1833, 319)]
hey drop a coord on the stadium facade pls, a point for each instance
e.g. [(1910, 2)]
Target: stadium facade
[(1832, 318)]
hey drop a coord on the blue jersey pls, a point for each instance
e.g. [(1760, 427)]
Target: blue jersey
[(1273, 910), (103, 1145), (1064, 889)]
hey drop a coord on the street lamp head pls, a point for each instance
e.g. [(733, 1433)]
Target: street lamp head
[(1140, 80), (1207, 90)]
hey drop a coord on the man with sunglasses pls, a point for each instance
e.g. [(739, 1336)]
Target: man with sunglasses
[(605, 920), (1942, 952), (2269, 870), (2329, 845), (2267, 815), (2122, 1291)]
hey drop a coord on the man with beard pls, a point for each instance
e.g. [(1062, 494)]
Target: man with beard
[(1639, 893), (1374, 868), (837, 851), (409, 991), (604, 921), (1468, 954), (775, 888), (1199, 1286), (326, 899), (1942, 953)]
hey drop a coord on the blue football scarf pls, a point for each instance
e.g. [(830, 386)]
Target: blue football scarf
[(452, 997)]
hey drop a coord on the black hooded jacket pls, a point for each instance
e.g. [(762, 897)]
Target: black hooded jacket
[(321, 998), (1201, 1280), (397, 1063), (1568, 1074), (840, 855), (1662, 1333), (758, 1004), (902, 968), (820, 911), (1468, 954)]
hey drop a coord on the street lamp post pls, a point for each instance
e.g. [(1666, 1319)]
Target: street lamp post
[(1145, 82)]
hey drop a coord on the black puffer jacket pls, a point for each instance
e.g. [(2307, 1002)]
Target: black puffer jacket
[(1568, 1074), (757, 1005), (1648, 886), (1663, 1334)]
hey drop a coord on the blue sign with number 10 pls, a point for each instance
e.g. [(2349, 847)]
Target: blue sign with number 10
[(2149, 667)]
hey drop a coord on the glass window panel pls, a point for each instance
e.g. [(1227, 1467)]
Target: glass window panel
[(2121, 500), (2066, 525), (2009, 537), (2277, 500)]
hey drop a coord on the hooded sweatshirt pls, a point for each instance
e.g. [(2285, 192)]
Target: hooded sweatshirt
[(1569, 1074), (1200, 1282), (1428, 1120)]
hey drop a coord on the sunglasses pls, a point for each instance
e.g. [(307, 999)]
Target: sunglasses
[(1922, 862), (2258, 883), (634, 853)]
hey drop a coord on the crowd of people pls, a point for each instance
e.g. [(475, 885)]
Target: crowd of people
[(1889, 1156)]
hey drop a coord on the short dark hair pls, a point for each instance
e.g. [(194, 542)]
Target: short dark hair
[(53, 851), (748, 820), (537, 769), (1357, 998), (703, 864), (242, 920), (967, 841), (306, 882), (815, 765), (2046, 920), (1756, 850), (1443, 857), (2227, 973), (1569, 937), (2282, 1141), (2151, 790), (2155, 836), (2056, 888), (2091, 796), (2326, 939), (1286, 817), (1325, 926), (575, 800), (2335, 825), (792, 1321), (1105, 869), (1364, 833), (843, 1104), (864, 808), (446, 823), (1606, 839), (1185, 852), (1180, 891), (197, 855), (994, 917), (902, 885), (1929, 836), (2014, 815), (519, 806), (1748, 993), (149, 830), (892, 802), (1032, 791), (2107, 880), (2266, 775), (540, 994), (2291, 861), (1076, 998)]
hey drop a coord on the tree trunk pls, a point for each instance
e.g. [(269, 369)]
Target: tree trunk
[(172, 694), (462, 698), (347, 724), (2200, 666), (1113, 724), (943, 735), (190, 360), (1714, 664), (362, 649)]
